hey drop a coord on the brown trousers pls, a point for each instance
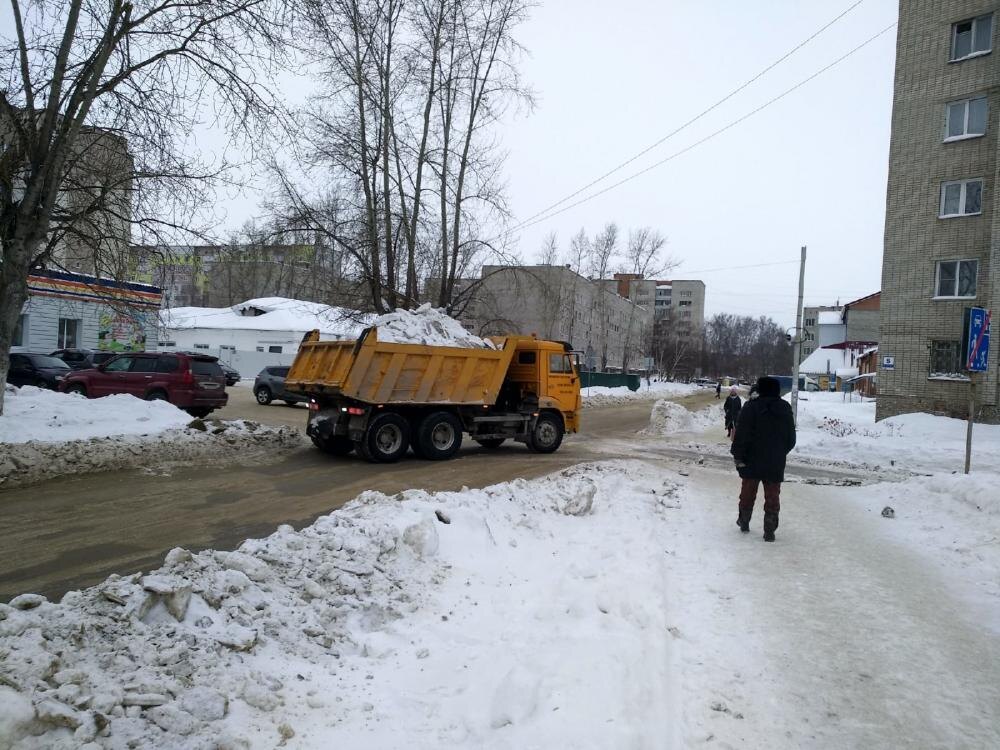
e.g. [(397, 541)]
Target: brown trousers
[(748, 495)]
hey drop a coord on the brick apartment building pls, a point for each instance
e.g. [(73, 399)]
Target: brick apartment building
[(942, 229)]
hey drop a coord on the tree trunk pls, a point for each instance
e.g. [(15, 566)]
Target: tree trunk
[(13, 294)]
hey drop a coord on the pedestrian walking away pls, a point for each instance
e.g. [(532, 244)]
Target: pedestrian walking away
[(765, 433), (731, 408), (718, 389)]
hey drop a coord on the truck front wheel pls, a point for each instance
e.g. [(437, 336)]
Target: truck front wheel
[(439, 436), (547, 435), (386, 439)]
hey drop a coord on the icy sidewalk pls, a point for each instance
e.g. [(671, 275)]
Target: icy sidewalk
[(852, 630), (526, 614)]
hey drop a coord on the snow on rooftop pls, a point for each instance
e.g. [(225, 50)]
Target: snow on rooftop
[(830, 318), (279, 314), (825, 360), (426, 325)]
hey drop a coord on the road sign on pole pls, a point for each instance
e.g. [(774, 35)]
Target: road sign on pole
[(976, 341)]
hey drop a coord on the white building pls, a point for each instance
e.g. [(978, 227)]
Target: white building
[(75, 311), (255, 333)]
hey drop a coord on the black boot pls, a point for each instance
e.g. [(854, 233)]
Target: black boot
[(744, 523), (770, 525)]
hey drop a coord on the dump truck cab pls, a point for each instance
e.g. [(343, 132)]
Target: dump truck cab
[(544, 374)]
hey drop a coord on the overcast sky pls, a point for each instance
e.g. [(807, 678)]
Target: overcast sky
[(811, 169), (613, 77)]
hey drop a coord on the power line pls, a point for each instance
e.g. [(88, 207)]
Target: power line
[(694, 119), (710, 136), (739, 268)]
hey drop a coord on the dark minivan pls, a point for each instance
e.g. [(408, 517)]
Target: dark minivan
[(193, 382)]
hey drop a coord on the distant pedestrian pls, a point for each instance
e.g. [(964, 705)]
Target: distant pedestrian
[(765, 433), (718, 389), (731, 407)]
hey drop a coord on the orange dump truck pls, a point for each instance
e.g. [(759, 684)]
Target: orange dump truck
[(381, 398)]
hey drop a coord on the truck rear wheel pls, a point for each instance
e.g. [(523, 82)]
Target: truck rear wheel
[(335, 445), (386, 439), (439, 436), (547, 435)]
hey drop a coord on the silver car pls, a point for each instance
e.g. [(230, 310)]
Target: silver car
[(270, 386)]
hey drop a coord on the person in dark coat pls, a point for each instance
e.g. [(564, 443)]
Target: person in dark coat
[(765, 433), (731, 407), (718, 389)]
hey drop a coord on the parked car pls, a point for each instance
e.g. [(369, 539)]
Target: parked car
[(36, 369), (232, 376), (83, 359), (270, 385), (193, 382)]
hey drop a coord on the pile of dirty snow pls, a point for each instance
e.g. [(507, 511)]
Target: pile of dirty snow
[(205, 441), (51, 417), (426, 325), (669, 417), (477, 618)]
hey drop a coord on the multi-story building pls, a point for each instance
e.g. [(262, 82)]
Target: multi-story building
[(557, 303), (942, 228), (223, 275), (821, 326)]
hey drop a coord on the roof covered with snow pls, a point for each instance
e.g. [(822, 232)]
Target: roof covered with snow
[(825, 360), (270, 314), (830, 317)]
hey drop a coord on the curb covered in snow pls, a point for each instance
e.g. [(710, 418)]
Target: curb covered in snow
[(26, 463)]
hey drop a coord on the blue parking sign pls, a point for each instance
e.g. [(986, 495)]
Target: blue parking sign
[(976, 342)]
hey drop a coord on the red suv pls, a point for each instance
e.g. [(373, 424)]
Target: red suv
[(193, 382)]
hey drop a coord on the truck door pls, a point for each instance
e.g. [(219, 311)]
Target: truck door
[(563, 382)]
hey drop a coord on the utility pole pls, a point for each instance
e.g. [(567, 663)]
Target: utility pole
[(797, 340)]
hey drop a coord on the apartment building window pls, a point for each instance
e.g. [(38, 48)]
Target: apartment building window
[(69, 333), (201, 346), (972, 37), (965, 118), (809, 322), (961, 198), (946, 359), (684, 304), (274, 349), (956, 278)]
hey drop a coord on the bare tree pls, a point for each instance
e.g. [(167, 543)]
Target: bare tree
[(410, 91), (550, 250), (643, 260), (86, 79)]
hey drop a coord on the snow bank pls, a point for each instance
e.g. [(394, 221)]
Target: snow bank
[(205, 441), (426, 325), (51, 417), (834, 429), (479, 618), (953, 520), (600, 395), (669, 417)]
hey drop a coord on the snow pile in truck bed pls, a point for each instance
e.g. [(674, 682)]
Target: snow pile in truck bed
[(479, 618), (426, 325), (51, 417)]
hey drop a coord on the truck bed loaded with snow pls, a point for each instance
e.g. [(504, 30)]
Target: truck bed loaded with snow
[(380, 398)]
